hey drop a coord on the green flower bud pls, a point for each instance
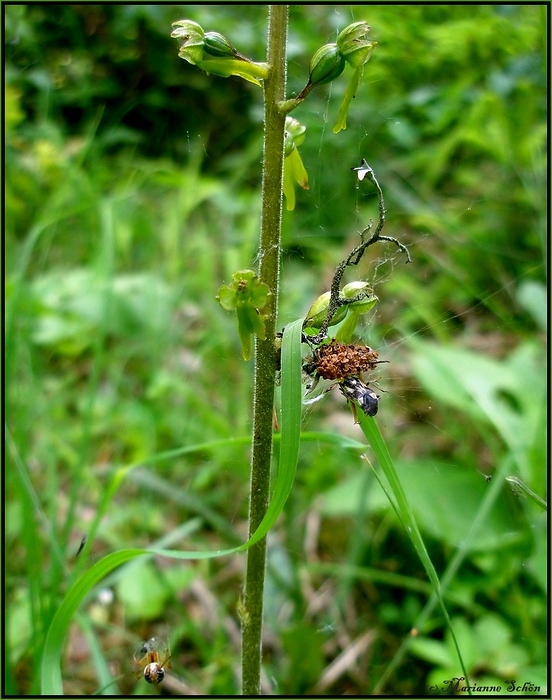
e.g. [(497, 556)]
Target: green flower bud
[(354, 45), (356, 308), (356, 48), (294, 170), (192, 38), (218, 46), (214, 54), (248, 297), (354, 289), (294, 134), (318, 311), (326, 65), (355, 32), (188, 31), (296, 130), (245, 287)]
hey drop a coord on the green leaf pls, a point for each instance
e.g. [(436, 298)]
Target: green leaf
[(509, 393), (433, 651), (447, 503), (302, 643), (532, 296)]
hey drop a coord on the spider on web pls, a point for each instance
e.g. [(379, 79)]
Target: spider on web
[(152, 659), (344, 364)]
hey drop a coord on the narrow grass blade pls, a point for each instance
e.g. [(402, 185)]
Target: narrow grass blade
[(53, 646), (290, 427), (450, 572), (404, 512)]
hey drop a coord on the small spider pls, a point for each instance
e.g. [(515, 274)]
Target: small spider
[(156, 655), (337, 360), (345, 363)]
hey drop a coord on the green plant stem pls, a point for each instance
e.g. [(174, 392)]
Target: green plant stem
[(265, 357)]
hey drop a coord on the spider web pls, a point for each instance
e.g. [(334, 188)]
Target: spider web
[(380, 264)]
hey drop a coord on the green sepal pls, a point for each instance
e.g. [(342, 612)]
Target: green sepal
[(227, 297), (297, 169)]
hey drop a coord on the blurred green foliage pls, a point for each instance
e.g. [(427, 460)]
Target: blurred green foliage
[(132, 194)]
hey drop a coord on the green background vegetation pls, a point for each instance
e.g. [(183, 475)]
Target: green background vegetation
[(132, 194)]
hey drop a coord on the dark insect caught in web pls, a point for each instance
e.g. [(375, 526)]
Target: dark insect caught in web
[(345, 364), (353, 389)]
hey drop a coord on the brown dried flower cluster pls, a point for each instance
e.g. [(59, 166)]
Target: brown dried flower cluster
[(339, 360)]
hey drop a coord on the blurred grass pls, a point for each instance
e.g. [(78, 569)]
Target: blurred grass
[(116, 351)]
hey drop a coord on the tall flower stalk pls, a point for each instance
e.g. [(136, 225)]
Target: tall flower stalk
[(251, 608), (253, 295)]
